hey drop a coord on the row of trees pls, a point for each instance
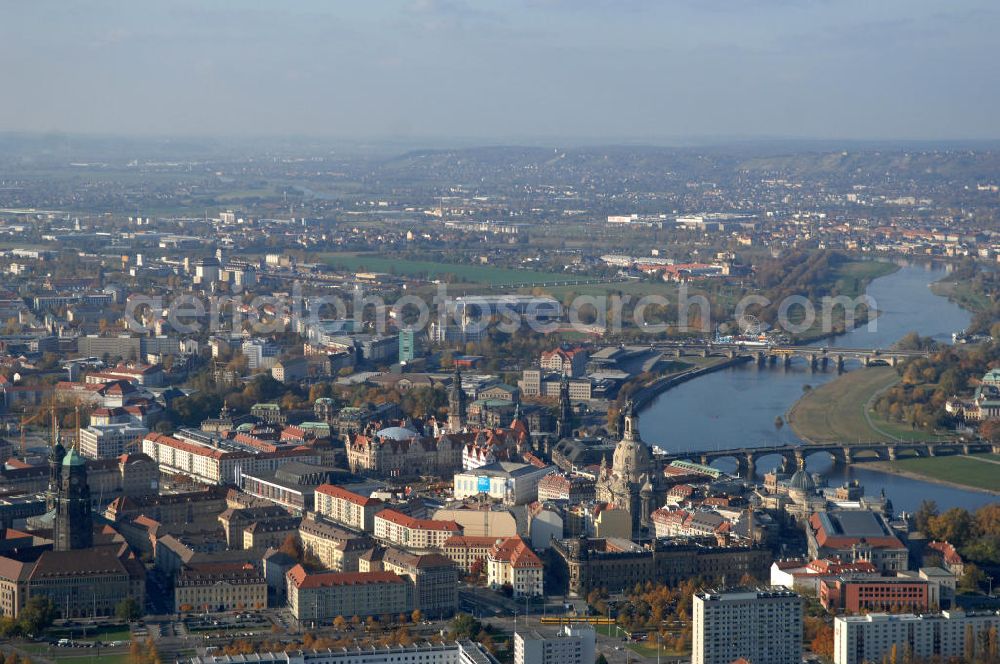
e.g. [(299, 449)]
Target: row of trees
[(928, 382), (663, 610)]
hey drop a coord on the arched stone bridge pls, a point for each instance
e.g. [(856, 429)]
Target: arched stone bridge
[(818, 356), (842, 453)]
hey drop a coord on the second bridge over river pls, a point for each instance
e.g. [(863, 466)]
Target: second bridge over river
[(818, 357), (746, 458)]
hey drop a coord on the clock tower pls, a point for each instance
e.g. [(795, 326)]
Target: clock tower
[(74, 522)]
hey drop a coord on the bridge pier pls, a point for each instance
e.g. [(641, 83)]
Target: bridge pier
[(891, 449), (704, 460), (894, 360), (761, 359), (679, 352), (825, 362), (732, 353), (848, 458), (772, 359), (751, 467), (786, 360), (813, 362), (840, 364), (741, 467), (704, 352)]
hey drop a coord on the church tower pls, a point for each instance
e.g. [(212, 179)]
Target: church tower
[(565, 422), (456, 404), (74, 523)]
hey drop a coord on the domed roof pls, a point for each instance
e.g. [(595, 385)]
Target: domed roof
[(801, 480), (397, 433), (73, 458)]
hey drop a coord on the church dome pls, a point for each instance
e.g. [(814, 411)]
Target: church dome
[(802, 481), (632, 455), (397, 433), (73, 458)]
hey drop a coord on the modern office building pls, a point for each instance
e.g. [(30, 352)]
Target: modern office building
[(574, 644), (409, 345), (940, 636), (757, 625), (110, 441), (507, 481)]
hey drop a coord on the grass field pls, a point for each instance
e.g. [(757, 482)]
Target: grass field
[(852, 277), (835, 411), (962, 294), (649, 651), (102, 633), (479, 274), (976, 470)]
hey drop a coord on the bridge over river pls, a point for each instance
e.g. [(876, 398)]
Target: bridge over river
[(746, 458), (818, 356)]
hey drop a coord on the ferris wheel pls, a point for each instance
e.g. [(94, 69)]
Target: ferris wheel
[(750, 325)]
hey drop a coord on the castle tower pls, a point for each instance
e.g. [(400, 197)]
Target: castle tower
[(456, 404), (74, 523), (565, 422)]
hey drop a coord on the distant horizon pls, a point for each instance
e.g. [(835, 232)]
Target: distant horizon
[(527, 142), (507, 70)]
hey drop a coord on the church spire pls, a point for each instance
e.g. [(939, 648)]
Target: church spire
[(631, 423)]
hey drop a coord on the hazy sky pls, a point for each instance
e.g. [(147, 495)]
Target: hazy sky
[(504, 70)]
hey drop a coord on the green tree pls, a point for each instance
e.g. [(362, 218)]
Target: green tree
[(953, 526), (128, 610), (922, 517), (38, 614)]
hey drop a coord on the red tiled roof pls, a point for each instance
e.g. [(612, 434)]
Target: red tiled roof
[(303, 579), (515, 551), (200, 450), (408, 521), (339, 492)]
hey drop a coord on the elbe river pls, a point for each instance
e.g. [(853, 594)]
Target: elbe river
[(737, 407)]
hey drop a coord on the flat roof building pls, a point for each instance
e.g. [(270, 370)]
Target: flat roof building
[(760, 626)]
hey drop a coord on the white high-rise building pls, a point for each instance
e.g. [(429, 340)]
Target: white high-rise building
[(762, 626), (574, 644), (939, 636)]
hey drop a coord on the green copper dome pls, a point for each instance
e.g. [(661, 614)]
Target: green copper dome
[(73, 458)]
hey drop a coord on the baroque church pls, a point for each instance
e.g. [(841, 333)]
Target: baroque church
[(634, 482)]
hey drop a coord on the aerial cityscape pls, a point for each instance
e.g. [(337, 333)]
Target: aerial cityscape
[(459, 333)]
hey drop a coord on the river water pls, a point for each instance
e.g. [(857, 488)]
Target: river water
[(737, 407)]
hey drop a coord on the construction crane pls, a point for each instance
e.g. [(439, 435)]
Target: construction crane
[(24, 422), (54, 426)]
